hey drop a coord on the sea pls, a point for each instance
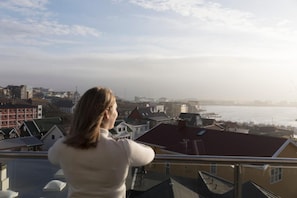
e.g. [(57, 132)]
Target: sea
[(269, 115)]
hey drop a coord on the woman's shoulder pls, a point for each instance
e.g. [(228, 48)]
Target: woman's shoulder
[(130, 143)]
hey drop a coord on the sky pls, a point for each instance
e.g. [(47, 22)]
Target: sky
[(198, 49)]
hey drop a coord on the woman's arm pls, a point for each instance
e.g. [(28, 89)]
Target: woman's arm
[(140, 154)]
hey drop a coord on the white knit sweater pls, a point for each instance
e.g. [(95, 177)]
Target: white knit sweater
[(102, 171)]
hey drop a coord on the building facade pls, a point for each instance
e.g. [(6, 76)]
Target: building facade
[(13, 115)]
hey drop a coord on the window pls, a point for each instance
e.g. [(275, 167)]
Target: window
[(276, 175), (53, 137)]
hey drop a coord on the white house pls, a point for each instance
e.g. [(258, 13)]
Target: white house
[(139, 129), (121, 130), (51, 137)]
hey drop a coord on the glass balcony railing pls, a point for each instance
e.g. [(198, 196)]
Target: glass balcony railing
[(29, 174)]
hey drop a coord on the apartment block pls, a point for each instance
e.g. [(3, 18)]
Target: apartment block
[(13, 115)]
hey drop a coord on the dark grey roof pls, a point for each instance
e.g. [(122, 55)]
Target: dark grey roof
[(251, 189), (11, 143), (31, 141), (6, 131), (33, 129), (117, 122), (159, 118), (15, 106), (46, 124), (169, 188), (147, 112), (225, 189), (39, 127)]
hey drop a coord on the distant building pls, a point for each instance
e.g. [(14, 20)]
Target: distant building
[(191, 119), (19, 92), (121, 130), (13, 115), (143, 99), (139, 128), (3, 92), (64, 105), (8, 133), (154, 115), (39, 127), (52, 135)]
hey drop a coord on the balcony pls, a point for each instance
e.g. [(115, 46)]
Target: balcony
[(27, 173)]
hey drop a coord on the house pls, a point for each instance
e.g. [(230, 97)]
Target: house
[(191, 119), (234, 127), (7, 133), (64, 105), (196, 120), (121, 130), (154, 115), (174, 139), (138, 127), (54, 133), (39, 127)]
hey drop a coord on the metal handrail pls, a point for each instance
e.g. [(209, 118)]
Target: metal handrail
[(232, 160), (159, 158), (24, 154)]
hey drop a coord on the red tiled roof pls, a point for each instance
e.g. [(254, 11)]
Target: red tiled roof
[(194, 141)]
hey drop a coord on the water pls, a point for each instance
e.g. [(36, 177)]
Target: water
[(279, 116)]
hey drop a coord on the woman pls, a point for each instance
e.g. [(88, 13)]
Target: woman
[(94, 164)]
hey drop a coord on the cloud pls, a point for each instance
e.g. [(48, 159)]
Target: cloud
[(32, 24), (26, 7), (35, 4), (205, 11), (214, 16)]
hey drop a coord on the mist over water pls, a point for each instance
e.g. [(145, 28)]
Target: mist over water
[(279, 116)]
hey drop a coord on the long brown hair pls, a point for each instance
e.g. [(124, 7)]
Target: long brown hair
[(87, 119)]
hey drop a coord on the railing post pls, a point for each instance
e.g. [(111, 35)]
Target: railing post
[(237, 181)]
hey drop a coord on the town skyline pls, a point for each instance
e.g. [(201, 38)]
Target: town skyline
[(209, 50), (65, 93)]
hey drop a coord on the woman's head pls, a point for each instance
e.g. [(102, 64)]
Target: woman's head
[(96, 108)]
